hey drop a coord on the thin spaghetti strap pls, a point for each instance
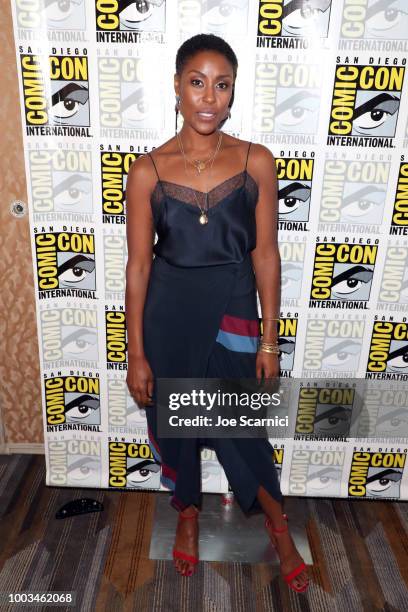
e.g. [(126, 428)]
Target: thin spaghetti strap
[(158, 177), (154, 166), (246, 162)]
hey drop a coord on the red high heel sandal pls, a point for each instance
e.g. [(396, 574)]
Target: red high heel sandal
[(288, 578), (179, 554)]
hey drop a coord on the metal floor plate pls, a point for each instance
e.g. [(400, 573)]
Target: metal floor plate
[(226, 533)]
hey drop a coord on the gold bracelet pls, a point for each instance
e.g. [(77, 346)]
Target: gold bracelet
[(270, 319), (274, 350), (269, 347)]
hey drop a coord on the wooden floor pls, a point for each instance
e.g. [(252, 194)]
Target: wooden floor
[(360, 552)]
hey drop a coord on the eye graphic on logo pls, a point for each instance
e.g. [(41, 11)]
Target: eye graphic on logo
[(398, 359), (292, 196), (296, 112), (141, 472), (342, 355), (71, 192), (286, 347), (388, 18), (291, 277), (134, 413), (393, 422), (374, 113), (301, 16), (85, 468), (363, 202), (286, 353), (79, 342), (220, 13), (351, 280), (335, 419), (131, 13), (81, 407), (60, 10), (136, 106), (75, 269), (209, 471), (378, 484), (323, 479), (65, 102)]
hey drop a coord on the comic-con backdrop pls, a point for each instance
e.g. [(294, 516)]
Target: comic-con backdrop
[(323, 84)]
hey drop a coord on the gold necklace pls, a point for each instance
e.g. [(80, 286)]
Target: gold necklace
[(200, 164), (203, 219)]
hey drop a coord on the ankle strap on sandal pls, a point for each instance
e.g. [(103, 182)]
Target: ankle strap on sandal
[(188, 516)]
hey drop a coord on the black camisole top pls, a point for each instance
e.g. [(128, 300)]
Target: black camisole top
[(230, 233)]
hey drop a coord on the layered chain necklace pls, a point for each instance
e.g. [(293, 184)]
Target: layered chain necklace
[(200, 165)]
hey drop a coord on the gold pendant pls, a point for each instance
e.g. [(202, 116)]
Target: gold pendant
[(199, 165), (203, 219)]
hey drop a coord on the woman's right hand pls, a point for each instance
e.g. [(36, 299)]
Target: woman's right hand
[(140, 380)]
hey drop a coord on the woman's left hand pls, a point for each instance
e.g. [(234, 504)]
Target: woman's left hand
[(267, 364)]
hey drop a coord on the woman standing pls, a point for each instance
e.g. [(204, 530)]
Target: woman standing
[(192, 311)]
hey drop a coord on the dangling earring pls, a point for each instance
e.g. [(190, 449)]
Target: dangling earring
[(176, 108)]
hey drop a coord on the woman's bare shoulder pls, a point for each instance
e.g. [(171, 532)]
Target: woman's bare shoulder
[(261, 163), (261, 154), (257, 152), (142, 167)]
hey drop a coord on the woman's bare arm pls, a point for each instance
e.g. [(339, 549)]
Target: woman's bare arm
[(266, 257), (140, 238)]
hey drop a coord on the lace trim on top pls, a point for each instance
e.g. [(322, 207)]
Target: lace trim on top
[(215, 195)]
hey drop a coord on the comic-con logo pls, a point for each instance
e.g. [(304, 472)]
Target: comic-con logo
[(212, 475), (365, 105), (61, 184), (65, 264), (75, 463), (399, 222), (374, 19), (287, 329), (324, 411), (215, 16), (72, 402), (124, 415), (132, 466), (43, 15), (292, 256), (353, 192), (129, 97), (56, 95), (278, 457), (114, 171), (116, 338), (332, 346), (69, 336), (394, 283), (384, 413), (303, 18), (115, 257), (294, 191), (342, 273), (286, 100), (376, 474), (316, 472), (388, 353), (127, 21)]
